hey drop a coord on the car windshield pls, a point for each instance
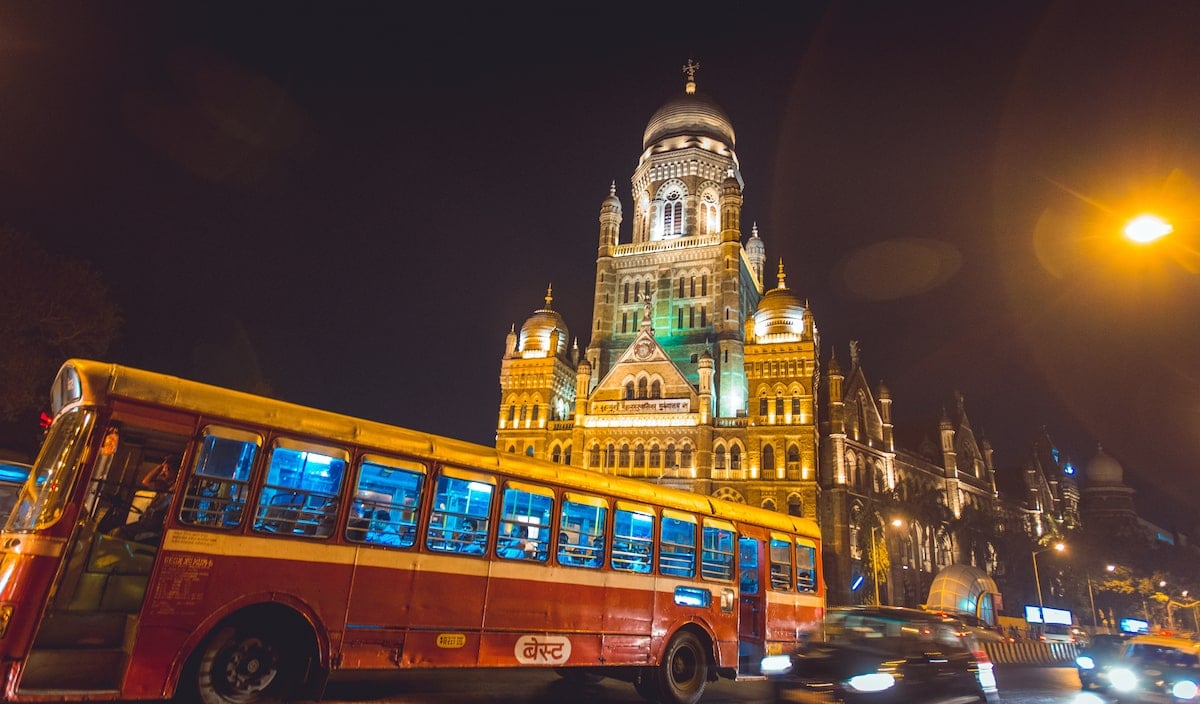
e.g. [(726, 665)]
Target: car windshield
[(1163, 654), (891, 634)]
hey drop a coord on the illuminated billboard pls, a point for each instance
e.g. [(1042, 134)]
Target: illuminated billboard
[(1062, 616)]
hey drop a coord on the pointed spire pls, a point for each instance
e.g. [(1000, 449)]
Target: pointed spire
[(690, 70), (549, 295), (754, 231), (612, 188), (781, 276)]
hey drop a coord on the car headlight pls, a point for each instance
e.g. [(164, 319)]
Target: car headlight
[(1085, 662), (987, 676), (1122, 679), (776, 664), (874, 682), (1184, 689)]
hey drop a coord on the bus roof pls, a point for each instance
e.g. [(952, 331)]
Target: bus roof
[(101, 380)]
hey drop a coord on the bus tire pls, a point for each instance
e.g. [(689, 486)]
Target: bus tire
[(645, 683), (242, 663), (683, 673)]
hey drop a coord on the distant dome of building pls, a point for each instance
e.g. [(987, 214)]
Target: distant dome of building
[(779, 311), (689, 114), (544, 331), (1104, 469)]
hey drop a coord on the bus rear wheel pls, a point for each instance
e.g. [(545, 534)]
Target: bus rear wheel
[(683, 673), (241, 663)]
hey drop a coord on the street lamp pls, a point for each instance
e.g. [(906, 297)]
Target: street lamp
[(896, 522), (1037, 580)]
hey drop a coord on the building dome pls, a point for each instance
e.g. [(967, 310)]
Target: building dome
[(779, 312), (545, 331), (1104, 469), (689, 114)]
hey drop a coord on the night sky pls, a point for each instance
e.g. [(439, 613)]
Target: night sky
[(352, 203)]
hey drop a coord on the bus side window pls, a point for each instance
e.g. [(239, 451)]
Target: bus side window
[(525, 522), (462, 507), (216, 490), (806, 569), (677, 551), (781, 564), (633, 538), (717, 559), (300, 495), (386, 499), (748, 565), (581, 530)]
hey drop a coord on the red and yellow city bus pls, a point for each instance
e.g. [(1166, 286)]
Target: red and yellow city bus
[(176, 539)]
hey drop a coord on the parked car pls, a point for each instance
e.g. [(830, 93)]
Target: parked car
[(1096, 659), (12, 476), (1156, 668), (885, 654)]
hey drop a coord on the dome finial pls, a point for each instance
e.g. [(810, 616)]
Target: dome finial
[(612, 188), (754, 231), (690, 69), (549, 295), (782, 276)]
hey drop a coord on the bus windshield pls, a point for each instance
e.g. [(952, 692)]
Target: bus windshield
[(45, 492)]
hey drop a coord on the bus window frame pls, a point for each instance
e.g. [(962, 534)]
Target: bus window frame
[(214, 494), (452, 538), (580, 554), (364, 525)]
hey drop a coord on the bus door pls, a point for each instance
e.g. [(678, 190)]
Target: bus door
[(82, 640), (752, 602)]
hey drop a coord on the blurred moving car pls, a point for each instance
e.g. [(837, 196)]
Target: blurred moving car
[(1057, 633), (886, 654), (12, 476), (982, 630), (1096, 659), (1156, 669)]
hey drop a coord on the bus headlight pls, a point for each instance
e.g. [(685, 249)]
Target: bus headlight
[(1122, 679), (776, 664), (1184, 689)]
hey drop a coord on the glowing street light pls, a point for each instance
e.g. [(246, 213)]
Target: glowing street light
[(1147, 228), (896, 523), (1036, 580)]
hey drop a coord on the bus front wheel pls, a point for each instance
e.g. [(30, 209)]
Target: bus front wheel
[(241, 663), (683, 673)]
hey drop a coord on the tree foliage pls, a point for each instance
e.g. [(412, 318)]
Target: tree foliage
[(51, 309)]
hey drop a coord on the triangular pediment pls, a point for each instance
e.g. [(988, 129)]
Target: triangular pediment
[(656, 381)]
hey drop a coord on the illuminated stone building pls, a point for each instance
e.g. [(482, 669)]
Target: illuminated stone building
[(701, 372)]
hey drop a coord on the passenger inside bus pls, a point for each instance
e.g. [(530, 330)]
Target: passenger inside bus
[(469, 540), (517, 544), (383, 531), (155, 485)]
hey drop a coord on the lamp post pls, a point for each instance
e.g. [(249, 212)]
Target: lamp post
[(896, 522), (1037, 580)]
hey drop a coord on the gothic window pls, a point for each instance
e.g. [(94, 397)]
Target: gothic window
[(769, 504), (796, 406), (708, 213), (880, 485), (522, 413), (735, 458), (779, 407), (629, 390), (669, 460), (639, 456), (793, 453), (536, 411), (512, 449), (512, 413), (625, 298), (673, 214), (556, 454), (681, 287), (637, 291), (795, 506), (692, 288), (679, 323), (656, 389), (655, 457), (624, 322), (685, 456), (762, 405), (703, 316), (609, 456), (768, 458), (529, 451), (623, 456), (567, 455), (641, 388), (692, 316), (594, 460), (719, 458), (704, 285)]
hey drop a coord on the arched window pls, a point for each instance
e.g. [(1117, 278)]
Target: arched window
[(768, 458), (769, 504), (623, 457), (512, 413), (625, 295), (669, 460), (594, 460), (629, 390), (779, 407), (656, 389), (762, 404), (719, 458), (610, 456), (795, 406), (641, 388), (567, 455), (673, 214), (655, 457), (793, 453), (735, 458), (795, 506), (556, 454), (529, 451), (639, 456), (685, 456)]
